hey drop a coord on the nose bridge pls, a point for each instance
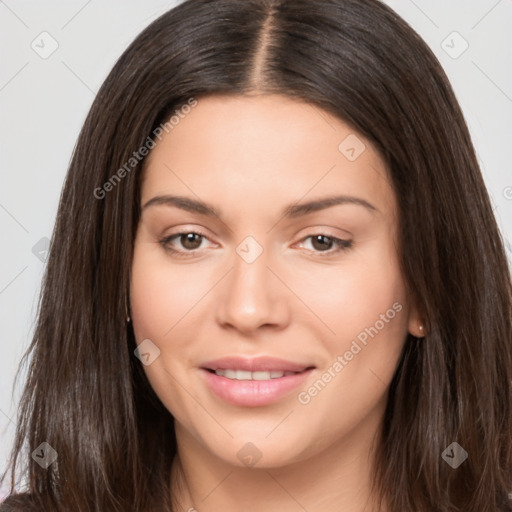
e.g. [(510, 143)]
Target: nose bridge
[(251, 297)]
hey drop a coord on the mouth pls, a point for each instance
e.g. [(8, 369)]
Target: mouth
[(253, 382), (247, 375), (254, 365)]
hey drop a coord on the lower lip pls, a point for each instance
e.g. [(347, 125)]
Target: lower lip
[(253, 393)]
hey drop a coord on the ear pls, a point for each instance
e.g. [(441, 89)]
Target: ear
[(416, 323)]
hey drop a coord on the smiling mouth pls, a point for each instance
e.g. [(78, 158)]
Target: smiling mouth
[(261, 387), (247, 375)]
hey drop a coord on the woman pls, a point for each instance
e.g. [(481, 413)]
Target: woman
[(275, 280)]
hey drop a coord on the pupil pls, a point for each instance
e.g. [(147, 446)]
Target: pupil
[(189, 242), (323, 241)]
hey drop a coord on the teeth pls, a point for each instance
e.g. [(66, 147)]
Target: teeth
[(245, 375)]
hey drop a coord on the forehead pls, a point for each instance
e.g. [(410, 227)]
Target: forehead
[(263, 151)]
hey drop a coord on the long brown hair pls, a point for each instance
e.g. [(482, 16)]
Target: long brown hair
[(86, 393)]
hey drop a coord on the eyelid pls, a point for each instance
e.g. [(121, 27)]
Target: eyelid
[(182, 232), (340, 244)]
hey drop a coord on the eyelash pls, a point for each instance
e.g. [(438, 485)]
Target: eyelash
[(342, 245)]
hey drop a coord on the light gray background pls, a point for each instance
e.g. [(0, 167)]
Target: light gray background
[(44, 101)]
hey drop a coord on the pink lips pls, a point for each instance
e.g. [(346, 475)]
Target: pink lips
[(254, 393), (263, 364)]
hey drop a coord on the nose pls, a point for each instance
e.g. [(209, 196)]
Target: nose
[(252, 297)]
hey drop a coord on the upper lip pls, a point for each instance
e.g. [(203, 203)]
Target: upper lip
[(255, 364)]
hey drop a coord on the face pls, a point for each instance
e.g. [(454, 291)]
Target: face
[(265, 284)]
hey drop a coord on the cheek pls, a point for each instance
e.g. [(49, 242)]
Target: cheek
[(161, 294), (366, 308), (351, 296), (170, 305), (369, 313), (161, 300)]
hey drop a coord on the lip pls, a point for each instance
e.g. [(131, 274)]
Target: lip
[(254, 393), (255, 364)]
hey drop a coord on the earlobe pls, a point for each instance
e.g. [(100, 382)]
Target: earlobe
[(417, 329), (128, 319), (417, 326)]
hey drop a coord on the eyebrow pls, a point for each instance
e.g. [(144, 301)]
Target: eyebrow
[(291, 211)]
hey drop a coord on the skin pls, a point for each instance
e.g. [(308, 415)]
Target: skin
[(250, 157)]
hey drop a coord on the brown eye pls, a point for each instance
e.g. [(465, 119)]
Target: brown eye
[(190, 241), (321, 242), (185, 243), (327, 245)]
